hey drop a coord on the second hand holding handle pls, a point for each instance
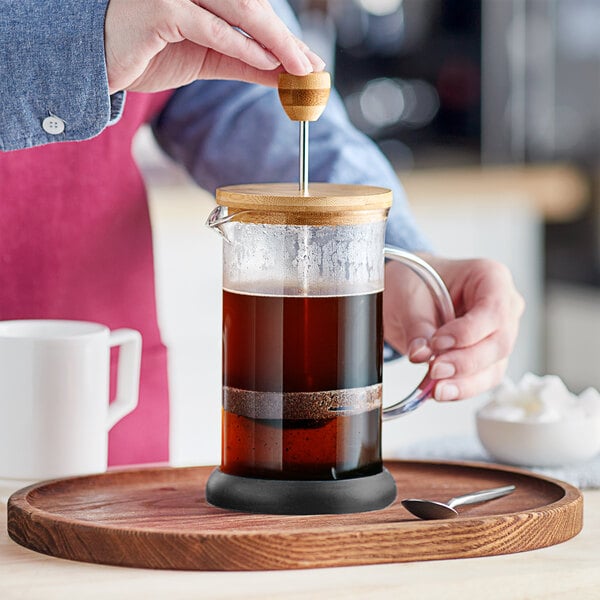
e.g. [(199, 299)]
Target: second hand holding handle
[(304, 99)]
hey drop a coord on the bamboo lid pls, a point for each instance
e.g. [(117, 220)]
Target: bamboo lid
[(325, 204)]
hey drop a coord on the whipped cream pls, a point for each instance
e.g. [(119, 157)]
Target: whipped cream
[(540, 400)]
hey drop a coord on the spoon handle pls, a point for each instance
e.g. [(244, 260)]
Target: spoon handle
[(481, 496)]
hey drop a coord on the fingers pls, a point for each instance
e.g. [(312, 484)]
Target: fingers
[(217, 66), (466, 372), (467, 365), (211, 31), (409, 334), (458, 388), (315, 60), (269, 33), (479, 323), (470, 353), (419, 348), (152, 45), (467, 361), (409, 314)]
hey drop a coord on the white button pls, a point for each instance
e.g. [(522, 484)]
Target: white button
[(53, 125)]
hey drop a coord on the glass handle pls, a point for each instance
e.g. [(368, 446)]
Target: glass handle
[(446, 312)]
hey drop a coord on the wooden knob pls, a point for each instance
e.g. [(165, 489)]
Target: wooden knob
[(304, 97)]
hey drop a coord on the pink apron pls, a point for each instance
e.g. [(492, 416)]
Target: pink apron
[(75, 243)]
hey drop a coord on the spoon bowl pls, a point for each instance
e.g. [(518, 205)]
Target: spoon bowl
[(429, 509), (432, 509)]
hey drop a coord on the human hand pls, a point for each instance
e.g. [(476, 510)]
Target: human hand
[(153, 45), (471, 352)]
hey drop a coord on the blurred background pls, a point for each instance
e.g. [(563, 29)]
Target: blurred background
[(489, 112)]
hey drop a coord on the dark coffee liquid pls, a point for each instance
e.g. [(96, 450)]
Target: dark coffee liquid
[(302, 385)]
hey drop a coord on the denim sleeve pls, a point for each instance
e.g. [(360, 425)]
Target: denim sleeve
[(227, 132), (52, 63)]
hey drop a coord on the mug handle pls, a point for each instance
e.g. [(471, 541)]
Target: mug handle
[(445, 309), (128, 373)]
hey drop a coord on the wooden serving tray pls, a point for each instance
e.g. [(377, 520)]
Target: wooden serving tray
[(159, 518)]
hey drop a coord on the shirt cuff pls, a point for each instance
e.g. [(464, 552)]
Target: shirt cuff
[(55, 84), (117, 103)]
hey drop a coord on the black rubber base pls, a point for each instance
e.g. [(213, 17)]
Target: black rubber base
[(272, 496)]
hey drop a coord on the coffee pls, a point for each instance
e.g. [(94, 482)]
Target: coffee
[(302, 385)]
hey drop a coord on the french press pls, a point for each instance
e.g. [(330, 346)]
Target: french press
[(303, 278)]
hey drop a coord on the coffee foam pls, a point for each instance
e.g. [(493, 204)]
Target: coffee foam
[(302, 405)]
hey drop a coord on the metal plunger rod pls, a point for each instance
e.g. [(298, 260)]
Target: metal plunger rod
[(303, 177), (304, 100)]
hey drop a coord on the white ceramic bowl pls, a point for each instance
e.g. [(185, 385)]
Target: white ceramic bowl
[(540, 444)]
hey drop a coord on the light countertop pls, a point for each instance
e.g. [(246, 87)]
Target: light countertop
[(557, 192), (567, 570)]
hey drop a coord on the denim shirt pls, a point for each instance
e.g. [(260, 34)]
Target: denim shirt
[(52, 64)]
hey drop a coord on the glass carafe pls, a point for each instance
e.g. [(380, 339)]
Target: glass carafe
[(303, 281)]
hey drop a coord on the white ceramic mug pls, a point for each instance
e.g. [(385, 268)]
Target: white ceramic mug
[(54, 396)]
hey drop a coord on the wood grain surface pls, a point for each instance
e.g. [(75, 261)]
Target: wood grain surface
[(304, 98), (322, 197), (159, 518), (325, 204)]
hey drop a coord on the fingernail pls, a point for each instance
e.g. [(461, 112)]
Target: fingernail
[(306, 63), (315, 60), (443, 342), (418, 349), (272, 59), (446, 392), (442, 370)]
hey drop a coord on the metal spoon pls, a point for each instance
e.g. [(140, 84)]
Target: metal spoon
[(430, 509)]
